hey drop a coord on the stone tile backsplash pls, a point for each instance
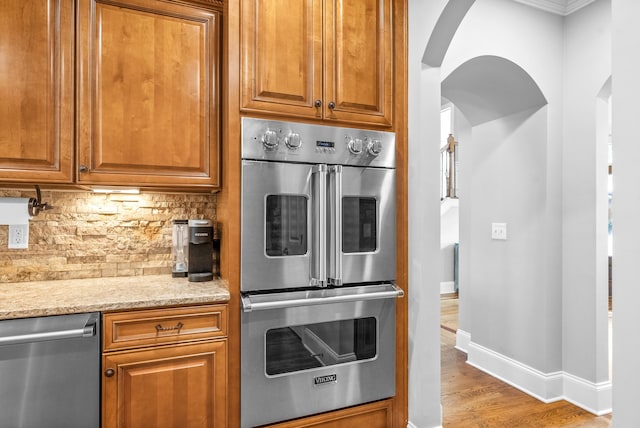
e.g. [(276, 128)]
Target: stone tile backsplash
[(89, 235)]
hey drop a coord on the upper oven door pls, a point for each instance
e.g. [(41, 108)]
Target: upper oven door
[(362, 235), (278, 213)]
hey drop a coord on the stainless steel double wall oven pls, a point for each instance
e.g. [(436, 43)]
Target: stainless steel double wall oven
[(318, 269)]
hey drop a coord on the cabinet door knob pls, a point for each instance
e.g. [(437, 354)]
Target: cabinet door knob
[(109, 372), (332, 105), (318, 103), (83, 168)]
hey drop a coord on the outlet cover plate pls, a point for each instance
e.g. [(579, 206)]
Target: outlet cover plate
[(18, 236), (499, 231)]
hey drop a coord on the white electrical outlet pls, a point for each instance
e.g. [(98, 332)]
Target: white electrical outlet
[(19, 236), (499, 231)]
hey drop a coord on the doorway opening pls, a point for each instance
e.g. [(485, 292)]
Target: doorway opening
[(449, 217)]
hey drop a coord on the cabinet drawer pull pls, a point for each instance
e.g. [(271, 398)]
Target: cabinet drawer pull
[(83, 168), (109, 372), (160, 328), (318, 103), (332, 105)]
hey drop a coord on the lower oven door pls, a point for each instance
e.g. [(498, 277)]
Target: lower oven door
[(307, 352)]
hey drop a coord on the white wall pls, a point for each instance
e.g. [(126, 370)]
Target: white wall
[(565, 337), (626, 206), (463, 131), (536, 41), (587, 66), (424, 220), (510, 291), (512, 310), (449, 236)]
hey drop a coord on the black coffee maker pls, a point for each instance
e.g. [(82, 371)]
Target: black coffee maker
[(200, 251)]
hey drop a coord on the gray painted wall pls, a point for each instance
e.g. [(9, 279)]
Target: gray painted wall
[(501, 282), (449, 236), (464, 133), (556, 307), (514, 296), (424, 221), (587, 66), (626, 205)]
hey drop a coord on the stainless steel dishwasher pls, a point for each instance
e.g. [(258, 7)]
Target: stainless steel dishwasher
[(50, 372)]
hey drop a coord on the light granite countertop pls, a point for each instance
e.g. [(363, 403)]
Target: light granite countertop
[(42, 298)]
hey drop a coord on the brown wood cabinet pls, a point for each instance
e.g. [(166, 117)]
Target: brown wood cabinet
[(165, 368), (148, 94), (147, 84), (36, 91), (320, 59), (241, 99)]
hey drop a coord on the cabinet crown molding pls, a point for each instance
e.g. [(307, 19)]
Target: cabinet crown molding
[(219, 4)]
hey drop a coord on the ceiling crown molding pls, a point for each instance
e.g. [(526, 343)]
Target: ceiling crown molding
[(559, 7), (573, 5)]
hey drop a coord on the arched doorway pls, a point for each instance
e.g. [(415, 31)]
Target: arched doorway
[(546, 299), (494, 101)]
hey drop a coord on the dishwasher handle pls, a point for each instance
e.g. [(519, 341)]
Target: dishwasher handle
[(89, 330)]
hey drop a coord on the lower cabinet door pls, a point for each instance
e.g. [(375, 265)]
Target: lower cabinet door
[(181, 386)]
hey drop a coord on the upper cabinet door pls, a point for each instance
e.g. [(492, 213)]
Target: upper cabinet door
[(36, 91), (281, 44), (148, 94), (358, 61), (318, 59)]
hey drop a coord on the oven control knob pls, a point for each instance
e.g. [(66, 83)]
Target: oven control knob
[(355, 146), (374, 147), (270, 140), (293, 141)]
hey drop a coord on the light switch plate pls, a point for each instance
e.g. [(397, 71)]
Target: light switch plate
[(499, 231), (18, 236)]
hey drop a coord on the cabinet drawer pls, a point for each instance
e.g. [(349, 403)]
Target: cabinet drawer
[(125, 330)]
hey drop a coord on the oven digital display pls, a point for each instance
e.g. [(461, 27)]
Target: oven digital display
[(328, 144)]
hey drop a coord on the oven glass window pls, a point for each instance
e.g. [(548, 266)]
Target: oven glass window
[(303, 347), (286, 225), (359, 225)]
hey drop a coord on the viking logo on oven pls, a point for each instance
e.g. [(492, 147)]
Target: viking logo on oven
[(321, 380)]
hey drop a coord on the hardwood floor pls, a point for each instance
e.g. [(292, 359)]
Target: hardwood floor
[(471, 398)]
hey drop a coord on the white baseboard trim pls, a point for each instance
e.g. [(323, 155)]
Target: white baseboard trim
[(546, 387), (447, 287), (463, 339), (410, 425), (593, 397)]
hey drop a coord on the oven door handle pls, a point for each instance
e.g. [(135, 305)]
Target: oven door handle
[(335, 225), (319, 234), (266, 302)]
